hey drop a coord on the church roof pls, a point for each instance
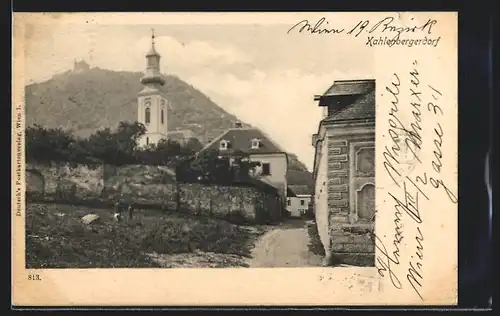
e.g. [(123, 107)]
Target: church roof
[(152, 51), (240, 139)]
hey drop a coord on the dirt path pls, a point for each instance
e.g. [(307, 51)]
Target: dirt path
[(284, 246)]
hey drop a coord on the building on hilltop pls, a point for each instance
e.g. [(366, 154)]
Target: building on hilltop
[(344, 172), (80, 66), (298, 200), (260, 148)]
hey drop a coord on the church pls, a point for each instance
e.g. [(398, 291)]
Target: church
[(153, 104)]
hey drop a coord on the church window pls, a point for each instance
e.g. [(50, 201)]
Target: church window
[(147, 140), (147, 115), (162, 116)]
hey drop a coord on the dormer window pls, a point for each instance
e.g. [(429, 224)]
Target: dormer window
[(255, 143), (224, 144)]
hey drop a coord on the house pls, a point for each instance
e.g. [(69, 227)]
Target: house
[(297, 200), (260, 148), (344, 172)]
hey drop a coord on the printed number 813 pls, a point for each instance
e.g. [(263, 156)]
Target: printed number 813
[(34, 277)]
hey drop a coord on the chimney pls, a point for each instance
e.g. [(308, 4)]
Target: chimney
[(237, 124)]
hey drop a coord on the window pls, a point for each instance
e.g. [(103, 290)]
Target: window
[(302, 202), (266, 169), (162, 118), (255, 143), (147, 140), (289, 202), (147, 115), (224, 144)]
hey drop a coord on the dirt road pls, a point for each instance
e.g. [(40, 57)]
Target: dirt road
[(285, 246)]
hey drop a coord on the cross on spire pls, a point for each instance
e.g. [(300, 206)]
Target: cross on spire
[(153, 36)]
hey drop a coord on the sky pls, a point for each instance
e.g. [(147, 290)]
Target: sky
[(256, 71)]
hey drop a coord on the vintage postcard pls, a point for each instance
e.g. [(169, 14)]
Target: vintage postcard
[(167, 159)]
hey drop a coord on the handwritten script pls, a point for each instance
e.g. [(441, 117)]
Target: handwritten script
[(387, 25), (399, 160)]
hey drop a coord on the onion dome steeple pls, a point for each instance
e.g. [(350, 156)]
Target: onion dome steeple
[(153, 75)]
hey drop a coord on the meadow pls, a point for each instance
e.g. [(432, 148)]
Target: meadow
[(56, 237)]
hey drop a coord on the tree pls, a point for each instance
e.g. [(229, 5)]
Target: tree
[(49, 144), (242, 167), (128, 134), (208, 166), (164, 153), (193, 145), (118, 147)]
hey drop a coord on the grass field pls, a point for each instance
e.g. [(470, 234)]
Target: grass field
[(56, 237)]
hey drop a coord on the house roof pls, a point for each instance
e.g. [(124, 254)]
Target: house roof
[(350, 87), (363, 107), (294, 190), (240, 139)]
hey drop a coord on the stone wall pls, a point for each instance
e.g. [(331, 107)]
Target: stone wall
[(233, 202), (153, 186), (138, 184), (142, 184), (351, 176), (64, 181)]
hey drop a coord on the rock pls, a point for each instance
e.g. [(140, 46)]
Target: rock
[(90, 218)]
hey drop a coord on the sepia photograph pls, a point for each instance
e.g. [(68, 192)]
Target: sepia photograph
[(167, 147), (182, 163)]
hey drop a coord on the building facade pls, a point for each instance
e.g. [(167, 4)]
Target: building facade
[(344, 172), (259, 148), (298, 200)]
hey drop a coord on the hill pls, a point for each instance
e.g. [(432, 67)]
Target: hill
[(88, 100)]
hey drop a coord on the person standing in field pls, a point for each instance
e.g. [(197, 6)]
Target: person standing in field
[(130, 211), (119, 208)]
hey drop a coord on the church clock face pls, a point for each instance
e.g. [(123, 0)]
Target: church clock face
[(147, 102)]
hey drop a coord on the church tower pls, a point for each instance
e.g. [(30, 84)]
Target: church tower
[(152, 103)]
